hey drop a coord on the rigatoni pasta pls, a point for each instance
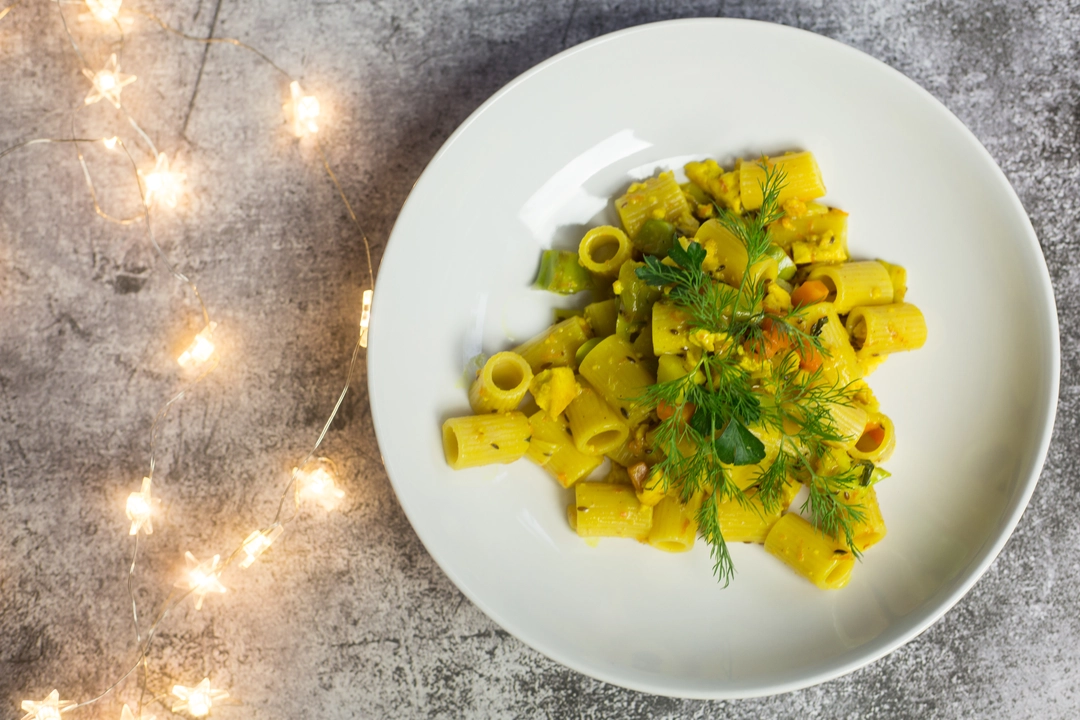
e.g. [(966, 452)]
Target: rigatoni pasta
[(717, 375)]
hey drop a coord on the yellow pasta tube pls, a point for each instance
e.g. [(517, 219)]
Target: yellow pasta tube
[(841, 365), (814, 237), (878, 440), (603, 250), (602, 316), (659, 197), (886, 329), (817, 557), (556, 346), (854, 284), (610, 510), (726, 256), (485, 439), (670, 329), (501, 383), (849, 421), (674, 524), (552, 448), (595, 426), (871, 528), (750, 522), (899, 280), (802, 179), (614, 370)]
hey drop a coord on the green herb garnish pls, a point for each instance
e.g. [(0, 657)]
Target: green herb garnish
[(713, 407)]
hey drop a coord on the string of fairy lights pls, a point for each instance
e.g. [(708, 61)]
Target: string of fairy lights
[(160, 185)]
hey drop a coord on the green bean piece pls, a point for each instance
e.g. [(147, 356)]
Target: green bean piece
[(560, 272), (783, 262), (636, 297), (655, 237)]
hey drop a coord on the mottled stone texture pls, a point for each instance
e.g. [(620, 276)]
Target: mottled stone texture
[(350, 617)]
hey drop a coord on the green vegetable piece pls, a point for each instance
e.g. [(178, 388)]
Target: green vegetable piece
[(738, 446), (871, 474), (636, 297), (656, 237), (560, 272), (585, 349), (783, 262)]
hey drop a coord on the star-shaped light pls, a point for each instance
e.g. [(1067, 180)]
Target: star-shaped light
[(200, 349), (126, 714), (104, 10), (47, 709), (201, 577), (139, 508), (197, 701), (315, 481), (302, 111), (257, 543), (107, 82), (161, 182)]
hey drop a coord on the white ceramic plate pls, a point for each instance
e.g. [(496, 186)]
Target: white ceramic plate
[(541, 161)]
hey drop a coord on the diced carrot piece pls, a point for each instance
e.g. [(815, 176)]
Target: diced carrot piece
[(664, 411), (810, 359), (773, 340), (810, 292)]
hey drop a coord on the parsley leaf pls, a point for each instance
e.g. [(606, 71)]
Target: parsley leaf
[(738, 446)]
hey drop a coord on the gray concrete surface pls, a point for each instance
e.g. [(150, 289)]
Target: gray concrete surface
[(351, 618)]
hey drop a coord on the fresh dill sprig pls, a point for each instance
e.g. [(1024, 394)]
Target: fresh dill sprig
[(709, 527), (708, 412), (690, 287), (830, 514)]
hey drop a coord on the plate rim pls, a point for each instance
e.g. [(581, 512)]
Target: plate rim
[(989, 553)]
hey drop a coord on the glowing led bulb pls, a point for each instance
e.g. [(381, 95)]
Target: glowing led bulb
[(315, 482), (107, 82), (47, 709), (257, 543), (109, 142), (104, 10), (139, 509), (126, 714), (303, 109), (162, 183), (197, 701), (201, 577), (200, 349), (365, 318)]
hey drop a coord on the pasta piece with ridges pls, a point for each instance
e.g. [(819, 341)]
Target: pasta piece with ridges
[(814, 555), (595, 426), (856, 283), (485, 439), (802, 179), (607, 510), (886, 329)]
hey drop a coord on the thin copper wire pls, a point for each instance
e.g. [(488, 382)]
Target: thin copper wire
[(209, 41), (9, 8)]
